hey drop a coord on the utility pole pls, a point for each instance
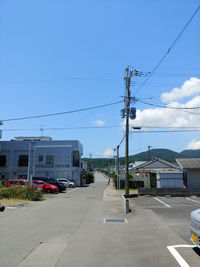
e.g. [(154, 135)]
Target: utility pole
[(90, 162), (29, 163), (149, 147), (118, 175), (127, 108), (129, 113)]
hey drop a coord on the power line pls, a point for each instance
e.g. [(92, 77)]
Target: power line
[(161, 106), (170, 131), (65, 128), (122, 140), (99, 127), (170, 127), (61, 113), (169, 50)]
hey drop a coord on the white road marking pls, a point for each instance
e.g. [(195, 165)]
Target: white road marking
[(162, 202), (13, 208), (177, 256), (192, 200)]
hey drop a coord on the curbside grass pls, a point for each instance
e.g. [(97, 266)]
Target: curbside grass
[(21, 192)]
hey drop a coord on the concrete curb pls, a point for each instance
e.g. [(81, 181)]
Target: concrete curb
[(125, 204)]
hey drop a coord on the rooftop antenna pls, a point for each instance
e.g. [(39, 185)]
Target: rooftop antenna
[(42, 129)]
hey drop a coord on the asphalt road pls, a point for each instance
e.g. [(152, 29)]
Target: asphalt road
[(69, 229), (174, 214)]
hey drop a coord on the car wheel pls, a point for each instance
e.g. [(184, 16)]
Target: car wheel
[(70, 186), (48, 190)]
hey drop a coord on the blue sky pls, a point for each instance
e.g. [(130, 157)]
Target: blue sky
[(60, 55)]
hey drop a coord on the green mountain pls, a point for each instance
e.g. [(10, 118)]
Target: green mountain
[(190, 153), (166, 154)]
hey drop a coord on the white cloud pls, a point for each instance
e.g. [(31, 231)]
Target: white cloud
[(189, 88), (108, 152), (193, 144), (164, 117), (99, 122)]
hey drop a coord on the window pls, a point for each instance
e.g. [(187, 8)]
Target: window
[(139, 184), (23, 161), (49, 160), (22, 176), (40, 158), (76, 159), (2, 161), (38, 183), (17, 182)]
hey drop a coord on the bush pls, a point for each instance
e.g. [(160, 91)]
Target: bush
[(21, 192), (88, 177)]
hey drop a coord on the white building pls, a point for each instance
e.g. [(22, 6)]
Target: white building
[(41, 157)]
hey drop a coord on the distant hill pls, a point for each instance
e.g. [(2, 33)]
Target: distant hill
[(190, 153), (166, 154)]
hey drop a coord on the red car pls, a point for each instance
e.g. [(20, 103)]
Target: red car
[(21, 182), (16, 182), (48, 188), (40, 185)]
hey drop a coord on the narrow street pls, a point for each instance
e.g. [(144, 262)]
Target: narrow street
[(69, 230)]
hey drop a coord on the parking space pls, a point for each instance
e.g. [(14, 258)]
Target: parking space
[(185, 255), (174, 213), (166, 202)]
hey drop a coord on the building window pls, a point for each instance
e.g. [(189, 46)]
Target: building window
[(23, 161), (49, 160), (22, 176), (76, 159), (40, 158), (139, 183), (3, 161)]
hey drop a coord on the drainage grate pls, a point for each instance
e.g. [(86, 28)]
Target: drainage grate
[(115, 221)]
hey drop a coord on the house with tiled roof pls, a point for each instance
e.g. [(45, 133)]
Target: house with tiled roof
[(160, 173), (191, 171)]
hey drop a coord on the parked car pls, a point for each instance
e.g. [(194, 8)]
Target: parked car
[(61, 187), (195, 227), (16, 182), (48, 188), (66, 182), (2, 208)]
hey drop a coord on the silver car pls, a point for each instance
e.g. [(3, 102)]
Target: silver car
[(66, 182), (195, 227)]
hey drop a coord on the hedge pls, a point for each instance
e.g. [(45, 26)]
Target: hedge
[(21, 192)]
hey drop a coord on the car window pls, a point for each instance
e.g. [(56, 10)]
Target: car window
[(37, 182), (13, 182)]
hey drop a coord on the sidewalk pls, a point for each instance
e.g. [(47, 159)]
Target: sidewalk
[(137, 243)]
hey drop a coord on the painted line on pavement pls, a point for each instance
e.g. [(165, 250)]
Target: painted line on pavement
[(162, 202), (177, 256), (192, 200)]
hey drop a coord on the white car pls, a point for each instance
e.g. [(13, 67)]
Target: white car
[(195, 227), (66, 182)]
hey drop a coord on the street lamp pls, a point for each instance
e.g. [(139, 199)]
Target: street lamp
[(136, 128)]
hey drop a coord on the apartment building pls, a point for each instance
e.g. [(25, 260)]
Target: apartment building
[(23, 157)]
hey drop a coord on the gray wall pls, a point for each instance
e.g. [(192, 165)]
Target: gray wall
[(169, 180), (193, 178)]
